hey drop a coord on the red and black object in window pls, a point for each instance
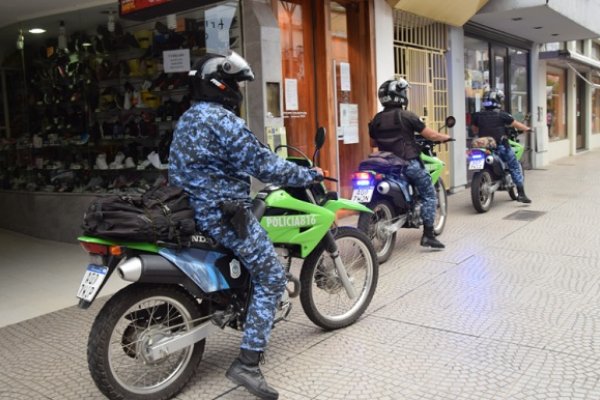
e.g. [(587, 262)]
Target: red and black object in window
[(141, 10)]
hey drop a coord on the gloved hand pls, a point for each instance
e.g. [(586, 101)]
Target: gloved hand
[(320, 176)]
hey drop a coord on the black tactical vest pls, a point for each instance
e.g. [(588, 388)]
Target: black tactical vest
[(394, 130), (492, 123)]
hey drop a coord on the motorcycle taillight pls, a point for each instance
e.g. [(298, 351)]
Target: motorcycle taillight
[(361, 179), (95, 248)]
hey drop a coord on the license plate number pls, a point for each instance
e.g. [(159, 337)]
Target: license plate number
[(91, 282), (476, 164), (363, 195)]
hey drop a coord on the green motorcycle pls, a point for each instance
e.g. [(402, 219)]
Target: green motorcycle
[(148, 339), (491, 174)]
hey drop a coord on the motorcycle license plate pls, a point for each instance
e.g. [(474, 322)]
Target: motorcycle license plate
[(92, 279), (363, 195), (476, 164)]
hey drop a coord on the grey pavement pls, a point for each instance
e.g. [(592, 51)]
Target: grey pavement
[(508, 311)]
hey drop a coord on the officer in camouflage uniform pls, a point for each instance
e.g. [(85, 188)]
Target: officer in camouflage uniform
[(492, 122), (212, 156), (393, 130)]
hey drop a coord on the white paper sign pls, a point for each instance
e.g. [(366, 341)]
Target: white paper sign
[(349, 122), (345, 76), (176, 60), (291, 94), (217, 26)]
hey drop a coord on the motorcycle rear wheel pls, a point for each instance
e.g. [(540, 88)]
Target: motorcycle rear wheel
[(322, 294), (375, 226), (480, 196), (134, 317), (441, 211)]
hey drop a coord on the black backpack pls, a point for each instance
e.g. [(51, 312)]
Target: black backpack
[(162, 214)]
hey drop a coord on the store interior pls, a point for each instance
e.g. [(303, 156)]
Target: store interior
[(89, 105)]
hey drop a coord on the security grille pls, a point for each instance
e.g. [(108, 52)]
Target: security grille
[(420, 44)]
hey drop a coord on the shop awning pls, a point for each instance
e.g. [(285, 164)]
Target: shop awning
[(455, 12), (565, 58), (542, 21)]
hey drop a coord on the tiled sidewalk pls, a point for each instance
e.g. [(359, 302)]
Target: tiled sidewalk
[(508, 311)]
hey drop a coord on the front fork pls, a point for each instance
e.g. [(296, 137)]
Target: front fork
[(332, 249)]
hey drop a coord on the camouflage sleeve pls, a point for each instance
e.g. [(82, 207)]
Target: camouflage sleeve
[(247, 154)]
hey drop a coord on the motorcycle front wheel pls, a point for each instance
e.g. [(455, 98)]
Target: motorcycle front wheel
[(376, 226), (322, 294), (480, 191), (441, 211), (133, 319)]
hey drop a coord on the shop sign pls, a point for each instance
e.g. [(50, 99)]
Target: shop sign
[(130, 6)]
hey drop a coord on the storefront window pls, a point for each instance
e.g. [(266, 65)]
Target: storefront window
[(556, 103), (596, 106), (477, 72), (519, 97)]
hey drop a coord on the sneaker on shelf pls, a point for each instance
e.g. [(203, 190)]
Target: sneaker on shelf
[(143, 164), (154, 159), (129, 163), (101, 161)]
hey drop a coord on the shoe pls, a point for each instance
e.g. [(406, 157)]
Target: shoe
[(245, 371), (101, 161), (154, 159), (429, 239), (522, 197)]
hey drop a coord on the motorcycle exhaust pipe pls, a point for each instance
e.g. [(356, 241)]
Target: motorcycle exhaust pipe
[(150, 269), (383, 187)]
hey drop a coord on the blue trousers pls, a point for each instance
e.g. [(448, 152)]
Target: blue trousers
[(421, 179), (258, 256), (507, 154)]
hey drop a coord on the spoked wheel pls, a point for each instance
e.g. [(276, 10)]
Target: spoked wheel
[(136, 317), (377, 227), (481, 196), (512, 192), (441, 212), (323, 296)]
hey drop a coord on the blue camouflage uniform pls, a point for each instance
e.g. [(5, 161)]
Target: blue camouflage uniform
[(212, 156), (493, 123), (393, 129)]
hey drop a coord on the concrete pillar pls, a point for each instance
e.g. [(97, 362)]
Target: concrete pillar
[(455, 63), (384, 42)]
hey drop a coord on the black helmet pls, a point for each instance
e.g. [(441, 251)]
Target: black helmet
[(492, 99), (392, 93), (215, 78)]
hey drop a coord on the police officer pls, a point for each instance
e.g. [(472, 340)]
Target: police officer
[(493, 122), (393, 130), (212, 156)]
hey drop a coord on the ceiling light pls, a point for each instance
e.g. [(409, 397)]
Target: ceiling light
[(555, 34), (537, 27), (37, 31), (517, 19)]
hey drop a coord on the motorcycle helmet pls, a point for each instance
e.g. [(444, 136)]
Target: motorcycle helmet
[(492, 99), (216, 78), (393, 93)]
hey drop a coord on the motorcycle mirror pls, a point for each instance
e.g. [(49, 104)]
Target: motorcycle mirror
[(320, 138), (450, 121)]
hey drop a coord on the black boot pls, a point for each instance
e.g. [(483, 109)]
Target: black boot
[(522, 197), (245, 371), (429, 240)]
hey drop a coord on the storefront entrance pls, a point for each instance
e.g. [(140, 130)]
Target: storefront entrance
[(328, 80)]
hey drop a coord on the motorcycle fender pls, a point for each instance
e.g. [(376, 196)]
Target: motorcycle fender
[(345, 204)]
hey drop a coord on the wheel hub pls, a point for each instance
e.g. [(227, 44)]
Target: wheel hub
[(148, 338)]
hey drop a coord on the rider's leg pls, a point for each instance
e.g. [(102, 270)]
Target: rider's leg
[(507, 154), (421, 178), (257, 254)]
